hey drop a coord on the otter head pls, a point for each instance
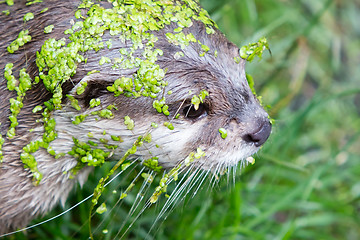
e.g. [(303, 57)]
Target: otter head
[(228, 104)]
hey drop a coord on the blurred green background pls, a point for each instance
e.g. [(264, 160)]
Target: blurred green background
[(306, 180), (305, 183)]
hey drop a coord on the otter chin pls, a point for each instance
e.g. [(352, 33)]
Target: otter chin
[(133, 81)]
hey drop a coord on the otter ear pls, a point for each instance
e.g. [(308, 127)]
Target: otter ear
[(90, 87), (82, 88)]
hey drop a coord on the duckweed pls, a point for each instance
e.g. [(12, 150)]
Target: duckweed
[(34, 1), (111, 147), (6, 12), (37, 109), (116, 138), (251, 160), (29, 160), (180, 39), (101, 209), (104, 113), (129, 123), (92, 72), (11, 81), (147, 177), (92, 143), (123, 195), (250, 81), (28, 16), (74, 102), (147, 138), (79, 119), (194, 155), (199, 153), (20, 86), (81, 89), (124, 166), (197, 99), (120, 85), (153, 163), (161, 107), (87, 155), (169, 125), (20, 41), (249, 52), (162, 187), (9, 2), (48, 29), (109, 43), (104, 60), (223, 132), (237, 60)]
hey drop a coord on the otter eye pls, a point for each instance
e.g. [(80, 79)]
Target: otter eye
[(190, 111)]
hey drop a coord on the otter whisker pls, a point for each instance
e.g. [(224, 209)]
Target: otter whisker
[(202, 178), (195, 178), (141, 193), (189, 183), (174, 196), (214, 178), (234, 168), (117, 205), (134, 203), (147, 204), (178, 109)]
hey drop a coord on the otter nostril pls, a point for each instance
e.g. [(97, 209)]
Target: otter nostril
[(259, 136)]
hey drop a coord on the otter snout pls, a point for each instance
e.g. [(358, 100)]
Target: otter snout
[(259, 134)]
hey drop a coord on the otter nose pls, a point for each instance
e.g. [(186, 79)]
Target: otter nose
[(260, 135)]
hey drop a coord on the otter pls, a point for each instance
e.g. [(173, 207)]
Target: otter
[(82, 82)]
